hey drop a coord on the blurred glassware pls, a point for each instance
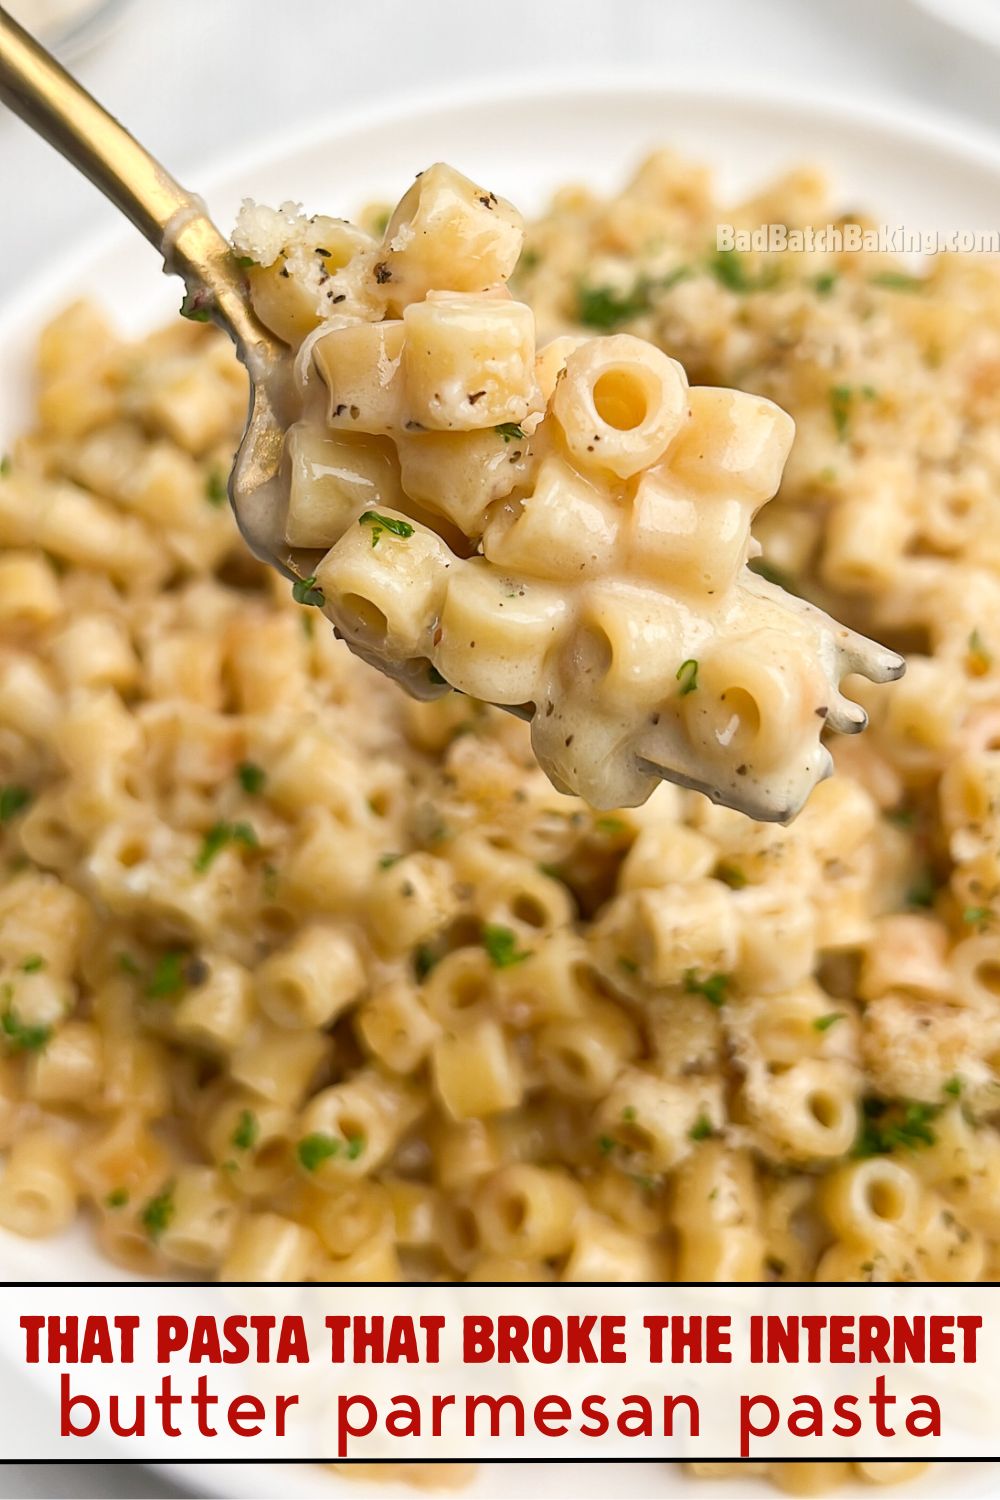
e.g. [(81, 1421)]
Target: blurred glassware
[(68, 27)]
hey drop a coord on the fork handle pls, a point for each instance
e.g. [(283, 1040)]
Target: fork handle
[(175, 221)]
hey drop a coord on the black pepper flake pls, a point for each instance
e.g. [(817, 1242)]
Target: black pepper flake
[(382, 273), (548, 710), (340, 297), (196, 971), (488, 200), (338, 411), (321, 251), (569, 740), (474, 396), (742, 770), (284, 272)]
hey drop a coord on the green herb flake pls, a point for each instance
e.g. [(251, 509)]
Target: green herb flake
[(424, 960), (22, 1037), (251, 777), (701, 1129), (304, 591), (606, 1144), (216, 490), (355, 1147), (841, 397), (218, 837), (630, 1114), (628, 964), (245, 262), (510, 431), (158, 1212), (530, 258), (380, 523), (900, 817), (33, 964), (380, 221), (386, 861), (197, 306), (714, 988), (823, 1023), (501, 946), (128, 964), (687, 676), (610, 825), (6, 466), (244, 1137), (313, 1150), (980, 656), (13, 800), (953, 1087), (732, 876), (977, 916), (891, 1123), (117, 1198), (602, 307), (729, 267), (897, 281), (824, 283), (922, 891), (167, 978)]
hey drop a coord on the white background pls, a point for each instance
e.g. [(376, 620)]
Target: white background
[(201, 79)]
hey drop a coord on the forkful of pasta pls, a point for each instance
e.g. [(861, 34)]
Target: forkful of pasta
[(561, 531)]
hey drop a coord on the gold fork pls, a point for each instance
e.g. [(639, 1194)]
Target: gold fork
[(177, 224)]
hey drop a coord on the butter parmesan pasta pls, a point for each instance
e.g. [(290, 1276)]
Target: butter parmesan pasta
[(305, 979), (562, 530)]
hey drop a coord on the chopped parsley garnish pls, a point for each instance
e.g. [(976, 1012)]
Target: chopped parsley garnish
[(529, 259), (824, 283), (922, 891), (218, 837), (900, 817), (510, 431), (980, 656), (33, 964), (244, 1137), (687, 676), (888, 1123), (732, 876), (713, 988), (602, 307), (897, 281), (424, 959), (606, 1144), (729, 267), (823, 1023), (380, 222), (251, 777), (197, 306), (630, 1114), (168, 976), (304, 591), (23, 1038), (953, 1087), (158, 1212), (977, 916), (13, 800), (5, 466), (386, 861), (610, 825), (380, 523), (840, 408), (216, 491), (245, 262), (702, 1128), (313, 1150), (628, 964), (117, 1198), (501, 946), (128, 964)]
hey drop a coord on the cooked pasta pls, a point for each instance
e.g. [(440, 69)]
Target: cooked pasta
[(564, 533), (552, 1042)]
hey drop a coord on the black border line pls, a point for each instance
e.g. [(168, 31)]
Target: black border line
[(173, 1460)]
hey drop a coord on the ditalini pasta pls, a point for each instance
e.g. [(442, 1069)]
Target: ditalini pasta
[(561, 530), (301, 978)]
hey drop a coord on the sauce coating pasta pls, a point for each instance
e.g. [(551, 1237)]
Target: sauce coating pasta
[(564, 532)]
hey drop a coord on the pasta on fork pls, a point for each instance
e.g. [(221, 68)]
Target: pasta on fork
[(563, 531)]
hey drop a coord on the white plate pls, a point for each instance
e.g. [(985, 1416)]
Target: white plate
[(979, 19), (523, 143)]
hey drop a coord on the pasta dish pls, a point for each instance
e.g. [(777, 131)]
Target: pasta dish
[(563, 534), (303, 978)]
